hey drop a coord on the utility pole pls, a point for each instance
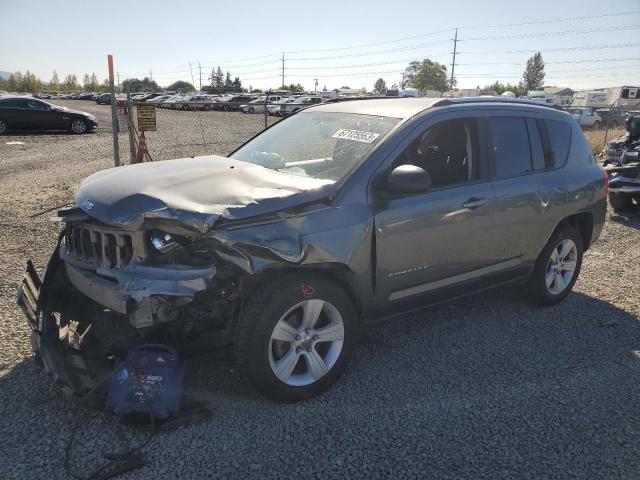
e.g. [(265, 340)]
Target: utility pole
[(150, 75), (453, 64), (200, 72), (118, 73), (283, 70), (114, 116), (315, 86)]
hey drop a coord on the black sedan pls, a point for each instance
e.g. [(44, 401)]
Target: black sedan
[(19, 112)]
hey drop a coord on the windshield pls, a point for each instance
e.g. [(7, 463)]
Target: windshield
[(323, 145)]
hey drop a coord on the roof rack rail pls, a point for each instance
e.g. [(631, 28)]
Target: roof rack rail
[(516, 101)]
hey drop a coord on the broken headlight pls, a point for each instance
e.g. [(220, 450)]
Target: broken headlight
[(163, 242)]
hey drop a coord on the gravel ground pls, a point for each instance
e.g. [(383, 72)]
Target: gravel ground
[(483, 387)]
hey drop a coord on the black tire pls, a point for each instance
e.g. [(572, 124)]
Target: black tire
[(621, 202), (251, 110), (258, 318), (3, 127), (79, 126), (536, 287), (225, 108)]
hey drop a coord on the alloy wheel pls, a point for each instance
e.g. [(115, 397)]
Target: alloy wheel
[(306, 342), (78, 126), (561, 266), (3, 127)]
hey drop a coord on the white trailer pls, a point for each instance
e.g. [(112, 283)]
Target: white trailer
[(591, 99)]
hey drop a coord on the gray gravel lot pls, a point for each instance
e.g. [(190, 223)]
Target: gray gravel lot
[(483, 387)]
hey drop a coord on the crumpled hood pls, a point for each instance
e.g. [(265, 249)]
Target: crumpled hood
[(189, 195)]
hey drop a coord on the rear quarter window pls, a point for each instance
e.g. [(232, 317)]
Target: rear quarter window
[(560, 140)]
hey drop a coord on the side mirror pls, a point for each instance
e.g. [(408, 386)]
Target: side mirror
[(407, 180)]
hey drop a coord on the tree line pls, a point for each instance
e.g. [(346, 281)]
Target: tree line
[(429, 75), (29, 82)]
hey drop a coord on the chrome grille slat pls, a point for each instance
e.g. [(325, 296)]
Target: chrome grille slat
[(97, 246)]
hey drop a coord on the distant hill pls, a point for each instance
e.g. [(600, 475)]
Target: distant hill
[(5, 75)]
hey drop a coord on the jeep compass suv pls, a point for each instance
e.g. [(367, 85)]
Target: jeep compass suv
[(339, 214)]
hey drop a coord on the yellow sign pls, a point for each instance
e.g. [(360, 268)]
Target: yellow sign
[(146, 117)]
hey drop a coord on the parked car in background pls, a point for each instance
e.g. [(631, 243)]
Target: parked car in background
[(301, 102), (104, 99), (585, 117), (614, 117), (196, 102), (19, 112), (157, 100), (233, 102), (258, 105), (274, 109)]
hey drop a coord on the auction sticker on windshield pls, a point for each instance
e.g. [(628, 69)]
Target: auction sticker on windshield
[(356, 135)]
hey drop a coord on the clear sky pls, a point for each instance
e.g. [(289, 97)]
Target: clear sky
[(341, 43)]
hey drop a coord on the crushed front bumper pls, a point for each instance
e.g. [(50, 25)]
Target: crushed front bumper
[(147, 295)]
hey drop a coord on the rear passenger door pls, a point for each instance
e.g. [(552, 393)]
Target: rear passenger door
[(526, 184)]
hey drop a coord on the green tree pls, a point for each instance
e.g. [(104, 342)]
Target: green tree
[(499, 88), (181, 86), (294, 88), (86, 82), (228, 83), (31, 83), (426, 75), (137, 85), (70, 84), (54, 83), (237, 84), (14, 84), (380, 86), (533, 75), (4, 83)]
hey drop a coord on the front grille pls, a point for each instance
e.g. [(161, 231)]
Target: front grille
[(98, 246)]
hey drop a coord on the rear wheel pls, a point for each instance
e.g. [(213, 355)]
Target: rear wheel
[(621, 202), (294, 337), (3, 127), (251, 110), (557, 268)]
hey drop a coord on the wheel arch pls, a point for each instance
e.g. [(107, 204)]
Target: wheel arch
[(583, 222), (336, 272)]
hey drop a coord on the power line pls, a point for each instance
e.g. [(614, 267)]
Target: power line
[(554, 34), (566, 19), (377, 52), (547, 50)]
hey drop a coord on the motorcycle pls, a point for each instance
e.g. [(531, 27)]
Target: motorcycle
[(622, 164)]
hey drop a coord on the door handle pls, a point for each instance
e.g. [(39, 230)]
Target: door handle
[(474, 203)]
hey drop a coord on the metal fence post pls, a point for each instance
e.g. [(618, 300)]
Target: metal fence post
[(266, 98), (132, 138), (114, 116)]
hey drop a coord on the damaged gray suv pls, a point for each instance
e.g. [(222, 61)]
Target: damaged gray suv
[(342, 213)]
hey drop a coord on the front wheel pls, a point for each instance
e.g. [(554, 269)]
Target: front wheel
[(294, 336), (79, 127), (557, 268)]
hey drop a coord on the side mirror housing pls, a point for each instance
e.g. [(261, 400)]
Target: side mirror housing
[(407, 180)]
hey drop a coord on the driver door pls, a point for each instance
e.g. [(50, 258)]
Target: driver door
[(429, 241)]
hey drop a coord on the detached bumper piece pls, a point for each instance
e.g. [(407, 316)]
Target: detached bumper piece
[(28, 297), (28, 294)]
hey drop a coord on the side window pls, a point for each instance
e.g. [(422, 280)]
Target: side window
[(535, 140), (559, 140), (510, 144), (447, 150), (35, 105), (13, 103)]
